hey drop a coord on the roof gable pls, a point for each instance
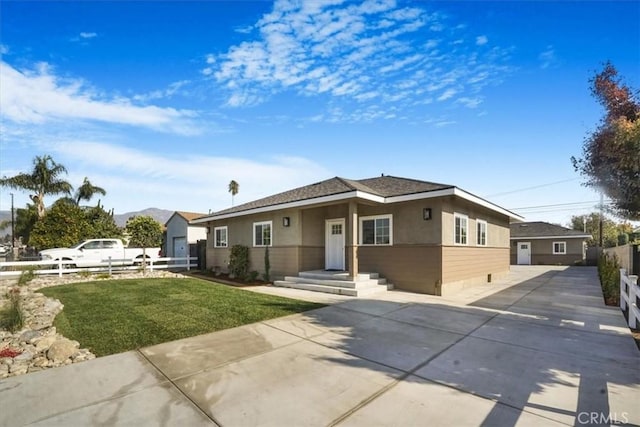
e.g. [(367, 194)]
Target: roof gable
[(544, 230), (382, 189), (187, 216)]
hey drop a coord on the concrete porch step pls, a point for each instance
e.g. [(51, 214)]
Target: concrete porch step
[(336, 275), (338, 283), (360, 291)]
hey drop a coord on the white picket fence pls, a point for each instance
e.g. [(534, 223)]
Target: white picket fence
[(629, 293), (60, 267)]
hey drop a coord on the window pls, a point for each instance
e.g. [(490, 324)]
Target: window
[(262, 233), (376, 230), (559, 248), (220, 237), (461, 226), (481, 238), (336, 228)]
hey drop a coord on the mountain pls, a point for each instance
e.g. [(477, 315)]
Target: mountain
[(160, 215)]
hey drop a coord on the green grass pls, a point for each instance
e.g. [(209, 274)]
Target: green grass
[(119, 315)]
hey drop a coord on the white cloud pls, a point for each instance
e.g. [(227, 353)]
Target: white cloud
[(548, 58), (4, 49), (482, 40), (188, 182), (449, 93), (170, 91), (343, 49), (88, 35), (39, 96)]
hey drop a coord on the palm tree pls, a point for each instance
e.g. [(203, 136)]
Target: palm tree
[(87, 190), (43, 180), (234, 187)]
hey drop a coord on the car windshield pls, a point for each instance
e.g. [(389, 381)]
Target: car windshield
[(76, 246)]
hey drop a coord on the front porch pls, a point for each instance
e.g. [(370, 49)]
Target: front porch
[(336, 282)]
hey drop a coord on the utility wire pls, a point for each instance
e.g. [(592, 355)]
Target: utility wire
[(532, 188)]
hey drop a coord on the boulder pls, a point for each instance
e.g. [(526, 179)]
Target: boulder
[(61, 350)]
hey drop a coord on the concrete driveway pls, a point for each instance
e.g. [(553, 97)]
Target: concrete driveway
[(538, 348)]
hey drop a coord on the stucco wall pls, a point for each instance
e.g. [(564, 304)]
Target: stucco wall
[(542, 251), (498, 231)]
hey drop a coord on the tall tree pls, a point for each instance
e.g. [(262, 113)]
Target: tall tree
[(234, 187), (611, 154), (144, 231), (87, 190), (591, 224), (43, 180)]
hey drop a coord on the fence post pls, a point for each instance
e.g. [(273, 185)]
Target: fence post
[(59, 267), (151, 265), (109, 265), (623, 303), (633, 306), (188, 263)]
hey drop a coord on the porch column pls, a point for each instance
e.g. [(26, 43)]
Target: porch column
[(352, 242)]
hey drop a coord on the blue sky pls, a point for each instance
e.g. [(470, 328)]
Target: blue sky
[(163, 103)]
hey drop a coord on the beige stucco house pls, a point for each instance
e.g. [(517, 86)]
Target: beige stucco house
[(421, 236), (538, 243)]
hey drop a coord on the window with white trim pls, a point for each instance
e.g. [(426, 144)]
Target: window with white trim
[(220, 237), (481, 232), (376, 230), (262, 233), (559, 248), (461, 228)]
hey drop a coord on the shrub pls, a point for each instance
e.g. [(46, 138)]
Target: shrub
[(623, 239), (27, 275), (11, 317), (253, 276), (609, 273), (239, 261), (85, 274), (267, 265)]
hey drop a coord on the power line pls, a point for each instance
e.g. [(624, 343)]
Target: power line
[(557, 204), (532, 188)]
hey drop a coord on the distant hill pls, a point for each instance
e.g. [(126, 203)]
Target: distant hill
[(160, 215)]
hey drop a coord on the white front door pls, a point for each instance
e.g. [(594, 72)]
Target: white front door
[(334, 244), (524, 253)]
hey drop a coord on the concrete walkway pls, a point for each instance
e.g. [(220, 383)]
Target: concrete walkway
[(539, 348)]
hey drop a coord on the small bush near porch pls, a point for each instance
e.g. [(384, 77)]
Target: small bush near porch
[(119, 315)]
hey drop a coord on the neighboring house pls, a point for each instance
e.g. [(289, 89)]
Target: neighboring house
[(543, 243), (421, 236), (181, 237)]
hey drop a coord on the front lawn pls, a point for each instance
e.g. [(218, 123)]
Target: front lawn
[(113, 316)]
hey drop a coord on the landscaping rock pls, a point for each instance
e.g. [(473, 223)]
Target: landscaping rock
[(44, 343), (30, 336), (25, 356), (61, 350)]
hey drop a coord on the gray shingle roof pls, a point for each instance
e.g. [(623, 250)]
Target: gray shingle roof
[(384, 186), (543, 229)]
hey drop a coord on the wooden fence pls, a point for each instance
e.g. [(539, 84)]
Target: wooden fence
[(630, 297)]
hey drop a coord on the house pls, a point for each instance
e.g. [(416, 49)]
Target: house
[(544, 243), (421, 236), (181, 237)]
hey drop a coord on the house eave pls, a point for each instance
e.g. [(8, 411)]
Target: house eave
[(452, 191), (578, 236)]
